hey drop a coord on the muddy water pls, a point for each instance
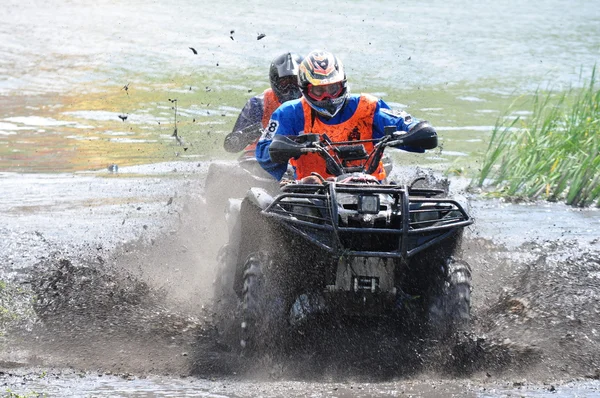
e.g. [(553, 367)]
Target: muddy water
[(508, 223), (111, 386), (133, 319)]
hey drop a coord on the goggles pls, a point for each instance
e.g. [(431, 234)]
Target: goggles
[(287, 82), (319, 93)]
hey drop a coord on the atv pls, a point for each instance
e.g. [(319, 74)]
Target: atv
[(347, 246)]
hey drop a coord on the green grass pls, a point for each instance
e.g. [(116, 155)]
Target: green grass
[(554, 154)]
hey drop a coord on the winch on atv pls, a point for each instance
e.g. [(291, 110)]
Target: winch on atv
[(348, 246)]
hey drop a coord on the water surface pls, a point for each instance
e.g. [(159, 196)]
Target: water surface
[(69, 70)]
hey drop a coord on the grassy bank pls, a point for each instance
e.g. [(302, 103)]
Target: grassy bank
[(552, 154)]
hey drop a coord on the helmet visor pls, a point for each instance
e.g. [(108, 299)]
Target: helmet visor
[(319, 93)]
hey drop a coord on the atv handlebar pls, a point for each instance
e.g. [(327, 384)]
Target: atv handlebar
[(283, 148)]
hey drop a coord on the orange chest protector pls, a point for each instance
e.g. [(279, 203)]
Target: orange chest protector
[(270, 103), (358, 127)]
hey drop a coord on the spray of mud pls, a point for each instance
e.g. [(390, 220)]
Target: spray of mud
[(148, 307), (143, 307), (535, 310)]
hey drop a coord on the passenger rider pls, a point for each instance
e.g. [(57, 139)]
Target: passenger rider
[(283, 76)]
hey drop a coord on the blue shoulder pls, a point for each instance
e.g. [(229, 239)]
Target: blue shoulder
[(288, 119)]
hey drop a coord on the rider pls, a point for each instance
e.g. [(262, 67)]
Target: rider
[(283, 76), (327, 107)]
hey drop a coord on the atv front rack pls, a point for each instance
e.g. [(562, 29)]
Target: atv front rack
[(408, 221)]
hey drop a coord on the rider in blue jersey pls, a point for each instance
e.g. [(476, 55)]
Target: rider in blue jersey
[(290, 118)]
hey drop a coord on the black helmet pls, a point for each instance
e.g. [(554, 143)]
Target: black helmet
[(323, 82), (283, 75)]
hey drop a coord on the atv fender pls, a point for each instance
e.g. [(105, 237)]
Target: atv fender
[(232, 215), (259, 197)]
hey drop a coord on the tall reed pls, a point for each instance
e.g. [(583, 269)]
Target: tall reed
[(554, 154)]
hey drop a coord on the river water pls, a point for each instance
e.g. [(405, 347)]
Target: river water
[(69, 69), (59, 44)]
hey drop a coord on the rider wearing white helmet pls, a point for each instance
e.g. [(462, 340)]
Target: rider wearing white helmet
[(327, 107)]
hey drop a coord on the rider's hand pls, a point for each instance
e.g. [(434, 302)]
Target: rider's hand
[(310, 180), (286, 181)]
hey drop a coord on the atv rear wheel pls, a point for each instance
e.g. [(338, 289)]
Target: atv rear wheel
[(450, 309), (263, 310)]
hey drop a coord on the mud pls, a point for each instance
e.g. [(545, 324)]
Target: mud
[(128, 300)]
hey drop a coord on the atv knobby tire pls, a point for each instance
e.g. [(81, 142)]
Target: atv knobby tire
[(450, 309), (263, 314)]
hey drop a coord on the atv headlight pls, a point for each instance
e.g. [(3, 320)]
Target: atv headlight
[(368, 204)]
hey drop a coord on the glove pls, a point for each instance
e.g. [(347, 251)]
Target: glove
[(310, 180), (286, 181), (238, 140), (234, 142)]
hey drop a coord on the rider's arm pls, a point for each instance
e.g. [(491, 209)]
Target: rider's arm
[(246, 127), (288, 119), (384, 116)]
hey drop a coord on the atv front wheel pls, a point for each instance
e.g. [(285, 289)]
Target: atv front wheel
[(450, 309), (263, 310)]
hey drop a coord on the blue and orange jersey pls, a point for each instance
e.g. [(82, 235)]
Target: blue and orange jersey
[(291, 119)]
